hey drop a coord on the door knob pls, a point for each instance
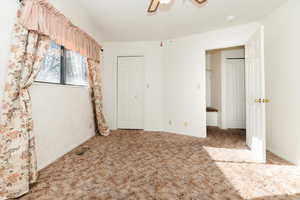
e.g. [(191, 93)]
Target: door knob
[(258, 100)]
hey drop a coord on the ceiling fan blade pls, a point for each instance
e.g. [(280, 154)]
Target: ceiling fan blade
[(200, 1), (153, 6)]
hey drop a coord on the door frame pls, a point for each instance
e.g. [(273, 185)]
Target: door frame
[(222, 115), (117, 88), (261, 28)]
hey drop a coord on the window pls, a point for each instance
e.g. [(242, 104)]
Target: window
[(62, 66), (50, 70), (76, 69)]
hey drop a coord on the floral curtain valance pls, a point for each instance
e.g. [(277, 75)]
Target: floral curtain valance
[(42, 17)]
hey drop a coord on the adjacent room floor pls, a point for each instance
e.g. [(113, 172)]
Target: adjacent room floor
[(160, 166)]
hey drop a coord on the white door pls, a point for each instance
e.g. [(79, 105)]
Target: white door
[(130, 93), (255, 94), (235, 93)]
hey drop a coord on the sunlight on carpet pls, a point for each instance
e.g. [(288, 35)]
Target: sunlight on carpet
[(255, 180)]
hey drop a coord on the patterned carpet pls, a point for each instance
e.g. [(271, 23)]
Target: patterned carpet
[(132, 165)]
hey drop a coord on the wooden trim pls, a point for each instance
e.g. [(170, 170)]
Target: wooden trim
[(211, 109), (151, 4)]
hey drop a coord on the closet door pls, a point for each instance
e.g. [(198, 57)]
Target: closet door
[(235, 93), (130, 93)]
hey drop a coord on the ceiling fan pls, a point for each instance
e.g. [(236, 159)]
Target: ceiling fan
[(155, 4)]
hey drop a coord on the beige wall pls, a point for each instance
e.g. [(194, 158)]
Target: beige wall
[(282, 42)]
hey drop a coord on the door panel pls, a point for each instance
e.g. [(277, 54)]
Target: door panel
[(130, 93), (235, 93), (255, 90)]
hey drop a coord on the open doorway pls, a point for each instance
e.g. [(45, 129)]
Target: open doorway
[(239, 103), (225, 89)]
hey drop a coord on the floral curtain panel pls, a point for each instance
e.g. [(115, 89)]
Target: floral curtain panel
[(95, 84), (17, 145)]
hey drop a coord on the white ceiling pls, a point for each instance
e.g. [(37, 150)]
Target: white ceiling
[(128, 20)]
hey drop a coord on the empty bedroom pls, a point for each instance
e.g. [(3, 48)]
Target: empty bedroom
[(149, 100)]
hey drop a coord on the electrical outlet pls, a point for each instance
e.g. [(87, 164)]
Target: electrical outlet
[(186, 124)]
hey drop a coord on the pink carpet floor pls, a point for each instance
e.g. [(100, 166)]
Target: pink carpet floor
[(136, 165)]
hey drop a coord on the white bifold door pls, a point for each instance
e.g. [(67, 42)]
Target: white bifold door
[(255, 96), (235, 94), (130, 93)]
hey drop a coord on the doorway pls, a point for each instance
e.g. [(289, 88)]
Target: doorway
[(225, 88), (130, 92), (223, 115)]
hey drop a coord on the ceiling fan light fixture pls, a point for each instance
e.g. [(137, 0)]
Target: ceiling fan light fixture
[(154, 4)]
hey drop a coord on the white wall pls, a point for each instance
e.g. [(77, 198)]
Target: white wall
[(153, 55), (63, 119), (62, 114), (282, 44), (184, 77)]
